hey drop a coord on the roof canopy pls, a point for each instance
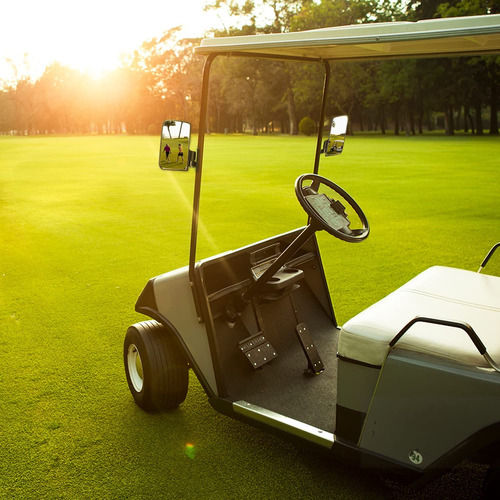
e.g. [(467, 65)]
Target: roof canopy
[(429, 38)]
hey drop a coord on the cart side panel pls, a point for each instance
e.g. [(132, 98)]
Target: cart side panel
[(355, 387), (168, 299), (424, 407)]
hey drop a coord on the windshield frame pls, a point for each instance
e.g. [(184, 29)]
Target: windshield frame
[(201, 145)]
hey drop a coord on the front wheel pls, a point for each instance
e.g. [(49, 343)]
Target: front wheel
[(156, 368)]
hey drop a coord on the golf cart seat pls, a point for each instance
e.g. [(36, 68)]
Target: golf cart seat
[(442, 293)]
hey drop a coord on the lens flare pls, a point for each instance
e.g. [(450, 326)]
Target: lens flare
[(190, 450)]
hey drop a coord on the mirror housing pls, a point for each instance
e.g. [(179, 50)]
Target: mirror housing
[(174, 146), (335, 143)]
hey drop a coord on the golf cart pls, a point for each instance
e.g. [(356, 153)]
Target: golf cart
[(257, 326)]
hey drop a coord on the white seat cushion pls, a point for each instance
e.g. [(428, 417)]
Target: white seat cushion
[(439, 292)]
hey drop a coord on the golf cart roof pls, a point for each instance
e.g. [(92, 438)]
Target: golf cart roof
[(437, 37)]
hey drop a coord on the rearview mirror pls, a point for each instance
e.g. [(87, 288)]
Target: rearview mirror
[(174, 145), (335, 143)]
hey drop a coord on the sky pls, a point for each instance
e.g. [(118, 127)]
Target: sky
[(88, 35)]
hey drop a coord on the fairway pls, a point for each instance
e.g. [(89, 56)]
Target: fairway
[(86, 221)]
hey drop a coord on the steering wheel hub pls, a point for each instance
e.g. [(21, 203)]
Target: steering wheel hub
[(327, 213)]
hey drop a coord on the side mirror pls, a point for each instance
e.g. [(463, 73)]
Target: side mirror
[(335, 143), (174, 145)]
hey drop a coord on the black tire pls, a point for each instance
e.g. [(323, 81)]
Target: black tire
[(156, 368)]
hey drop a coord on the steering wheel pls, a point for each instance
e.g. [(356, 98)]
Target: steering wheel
[(329, 214)]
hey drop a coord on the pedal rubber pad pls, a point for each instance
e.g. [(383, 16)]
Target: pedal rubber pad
[(315, 365), (258, 350)]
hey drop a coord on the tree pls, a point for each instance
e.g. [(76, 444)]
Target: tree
[(161, 80), (486, 74), (274, 16), (307, 126), (168, 71), (350, 82)]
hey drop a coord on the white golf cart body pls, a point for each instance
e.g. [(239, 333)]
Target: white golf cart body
[(395, 393)]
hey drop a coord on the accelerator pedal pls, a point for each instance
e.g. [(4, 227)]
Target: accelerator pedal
[(258, 350), (315, 365)]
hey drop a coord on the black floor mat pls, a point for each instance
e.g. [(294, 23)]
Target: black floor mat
[(282, 386)]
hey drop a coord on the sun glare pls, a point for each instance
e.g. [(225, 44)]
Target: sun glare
[(91, 37)]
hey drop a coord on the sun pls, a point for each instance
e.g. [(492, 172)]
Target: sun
[(93, 36), (94, 59)]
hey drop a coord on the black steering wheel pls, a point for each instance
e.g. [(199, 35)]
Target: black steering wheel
[(329, 214)]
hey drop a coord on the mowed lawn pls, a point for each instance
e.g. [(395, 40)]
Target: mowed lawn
[(86, 221)]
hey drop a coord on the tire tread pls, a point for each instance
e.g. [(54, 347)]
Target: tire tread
[(165, 368)]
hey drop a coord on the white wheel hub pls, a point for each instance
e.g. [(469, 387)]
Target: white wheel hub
[(134, 365)]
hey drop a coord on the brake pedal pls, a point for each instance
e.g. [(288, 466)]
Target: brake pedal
[(315, 365)]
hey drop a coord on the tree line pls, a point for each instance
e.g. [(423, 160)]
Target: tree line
[(162, 79)]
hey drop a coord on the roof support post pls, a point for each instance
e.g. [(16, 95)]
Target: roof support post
[(199, 166), (319, 144)]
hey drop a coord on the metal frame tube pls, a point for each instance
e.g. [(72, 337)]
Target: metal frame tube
[(319, 144), (199, 166)]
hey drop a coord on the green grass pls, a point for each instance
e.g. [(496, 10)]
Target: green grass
[(86, 221)]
